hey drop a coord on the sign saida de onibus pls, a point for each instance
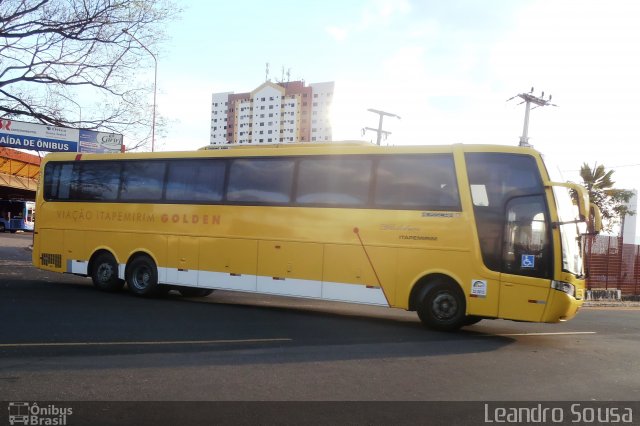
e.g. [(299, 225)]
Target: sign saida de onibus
[(42, 137)]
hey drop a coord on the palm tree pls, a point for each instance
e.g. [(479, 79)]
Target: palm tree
[(610, 201)]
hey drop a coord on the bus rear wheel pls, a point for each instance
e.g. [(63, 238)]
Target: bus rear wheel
[(442, 307), (104, 273), (142, 276), (194, 292)]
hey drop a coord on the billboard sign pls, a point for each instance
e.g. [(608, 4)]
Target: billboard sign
[(42, 137), (99, 142)]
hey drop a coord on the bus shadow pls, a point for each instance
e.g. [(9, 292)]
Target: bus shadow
[(74, 320)]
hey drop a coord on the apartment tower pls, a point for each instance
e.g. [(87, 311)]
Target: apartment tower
[(273, 113)]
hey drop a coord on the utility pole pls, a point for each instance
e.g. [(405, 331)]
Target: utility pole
[(528, 99), (379, 130)]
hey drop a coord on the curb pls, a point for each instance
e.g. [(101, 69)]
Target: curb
[(611, 304)]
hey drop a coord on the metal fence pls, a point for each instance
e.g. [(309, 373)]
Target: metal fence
[(613, 265)]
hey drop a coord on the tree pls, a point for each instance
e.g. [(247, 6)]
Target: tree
[(610, 201), (55, 51)]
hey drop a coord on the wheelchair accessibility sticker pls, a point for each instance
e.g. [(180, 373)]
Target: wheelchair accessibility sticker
[(528, 261)]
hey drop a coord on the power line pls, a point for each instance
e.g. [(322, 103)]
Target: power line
[(625, 165), (611, 168)]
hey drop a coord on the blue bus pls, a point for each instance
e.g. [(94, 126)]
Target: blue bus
[(17, 215)]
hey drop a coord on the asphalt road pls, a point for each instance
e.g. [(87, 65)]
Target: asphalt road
[(62, 340)]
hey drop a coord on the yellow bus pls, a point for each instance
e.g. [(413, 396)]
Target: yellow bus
[(457, 233)]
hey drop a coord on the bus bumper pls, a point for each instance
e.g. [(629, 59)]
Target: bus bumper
[(561, 307)]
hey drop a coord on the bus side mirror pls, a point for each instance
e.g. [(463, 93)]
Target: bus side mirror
[(589, 212), (580, 193)]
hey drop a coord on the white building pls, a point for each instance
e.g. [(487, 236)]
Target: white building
[(273, 113), (320, 110), (630, 230), (219, 105)]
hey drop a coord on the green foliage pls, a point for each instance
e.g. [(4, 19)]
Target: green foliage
[(611, 201)]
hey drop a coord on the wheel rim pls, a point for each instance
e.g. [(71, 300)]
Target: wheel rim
[(141, 277), (444, 306), (104, 273)]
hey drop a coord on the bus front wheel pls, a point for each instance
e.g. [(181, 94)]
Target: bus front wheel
[(442, 307), (142, 276), (104, 273)]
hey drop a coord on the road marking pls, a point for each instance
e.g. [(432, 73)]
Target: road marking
[(147, 343), (564, 333)]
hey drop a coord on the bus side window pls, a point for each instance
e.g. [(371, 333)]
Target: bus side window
[(426, 182), (58, 179), (195, 181), (260, 180), (494, 179), (141, 180), (328, 181), (96, 181)]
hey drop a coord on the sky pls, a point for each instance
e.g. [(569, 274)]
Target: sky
[(447, 68)]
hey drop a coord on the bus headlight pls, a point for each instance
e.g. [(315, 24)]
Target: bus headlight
[(570, 289)]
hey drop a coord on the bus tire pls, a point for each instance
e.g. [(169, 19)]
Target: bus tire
[(104, 273), (142, 276), (443, 306), (2, 228), (194, 292)]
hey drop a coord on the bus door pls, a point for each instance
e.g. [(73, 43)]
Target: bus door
[(526, 257), (15, 222), (512, 223)]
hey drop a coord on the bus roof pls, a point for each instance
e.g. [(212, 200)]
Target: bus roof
[(287, 145), (315, 148)]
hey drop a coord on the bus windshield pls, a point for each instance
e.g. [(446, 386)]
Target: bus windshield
[(569, 232)]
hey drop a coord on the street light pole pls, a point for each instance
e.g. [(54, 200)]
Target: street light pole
[(379, 130), (155, 87), (528, 99)]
